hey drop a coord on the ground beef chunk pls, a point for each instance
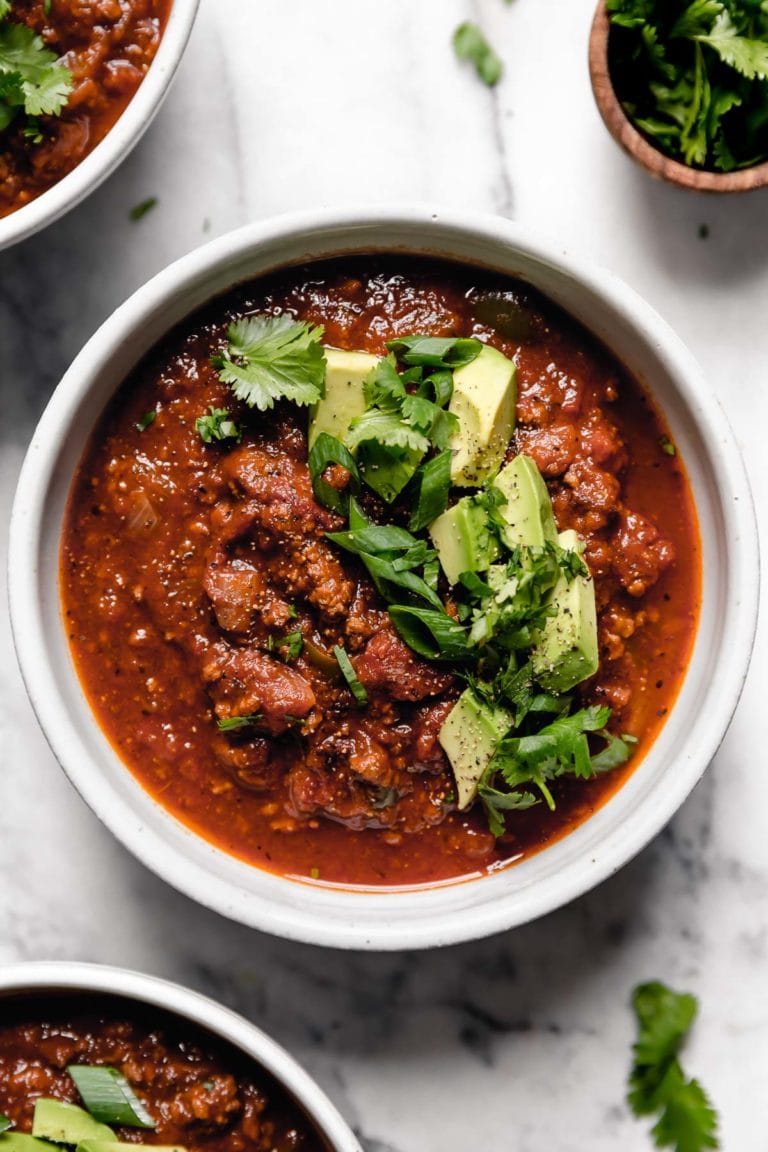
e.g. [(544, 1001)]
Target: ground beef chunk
[(552, 449), (389, 664), (641, 554), (285, 505), (233, 589), (593, 487), (246, 682), (428, 754)]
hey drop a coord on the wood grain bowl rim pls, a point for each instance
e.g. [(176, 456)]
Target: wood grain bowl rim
[(637, 146)]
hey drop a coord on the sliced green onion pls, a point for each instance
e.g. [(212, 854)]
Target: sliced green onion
[(349, 674), (373, 539), (144, 422), (109, 1097), (434, 483), (436, 351), (432, 634), (233, 723), (5, 1123), (328, 450)]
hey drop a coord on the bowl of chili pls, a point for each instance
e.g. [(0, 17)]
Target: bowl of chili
[(300, 780), (82, 84), (111, 1055)]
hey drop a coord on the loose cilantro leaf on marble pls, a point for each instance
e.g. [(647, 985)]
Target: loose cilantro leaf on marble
[(692, 77), (139, 211), (686, 1121), (271, 358), (33, 82), (469, 43)]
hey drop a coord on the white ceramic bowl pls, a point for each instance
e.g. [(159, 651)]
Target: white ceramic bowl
[(457, 911), (19, 982), (118, 142)]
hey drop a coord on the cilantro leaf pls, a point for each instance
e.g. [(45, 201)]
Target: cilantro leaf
[(271, 358), (217, 425), (657, 1084), (692, 77), (469, 43), (749, 57), (386, 428), (32, 79)]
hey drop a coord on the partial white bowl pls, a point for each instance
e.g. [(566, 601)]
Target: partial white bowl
[(411, 918), (19, 982), (119, 141)]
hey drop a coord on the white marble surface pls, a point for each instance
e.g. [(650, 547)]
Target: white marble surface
[(521, 1041)]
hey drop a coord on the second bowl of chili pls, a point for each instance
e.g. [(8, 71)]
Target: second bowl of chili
[(258, 784), (96, 75)]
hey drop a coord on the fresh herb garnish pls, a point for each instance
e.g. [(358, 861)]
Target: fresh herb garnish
[(144, 421), (109, 1097), (687, 1122), (139, 211), (349, 674), (217, 425), (5, 1123), (667, 446), (271, 358), (325, 451), (399, 563), (560, 748), (469, 43), (33, 82), (234, 723), (432, 484), (290, 646), (691, 76), (406, 414)]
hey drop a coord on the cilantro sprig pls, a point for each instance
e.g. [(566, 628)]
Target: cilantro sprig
[(33, 81), (658, 1086), (271, 358), (470, 43), (692, 77)]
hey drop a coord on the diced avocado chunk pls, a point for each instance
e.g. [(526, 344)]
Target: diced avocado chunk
[(469, 737), (566, 652), (484, 399), (21, 1142), (64, 1123), (527, 514), (344, 398), (462, 540), (119, 1146)]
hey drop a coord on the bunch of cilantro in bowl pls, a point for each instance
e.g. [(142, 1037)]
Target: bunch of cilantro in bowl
[(33, 82), (692, 77)]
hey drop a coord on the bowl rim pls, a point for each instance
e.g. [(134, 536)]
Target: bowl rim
[(38, 977), (405, 923), (122, 137), (637, 146)]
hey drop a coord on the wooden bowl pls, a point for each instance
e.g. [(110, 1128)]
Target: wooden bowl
[(637, 146)]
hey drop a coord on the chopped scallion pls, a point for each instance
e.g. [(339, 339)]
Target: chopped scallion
[(328, 450), (349, 674), (109, 1097)]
